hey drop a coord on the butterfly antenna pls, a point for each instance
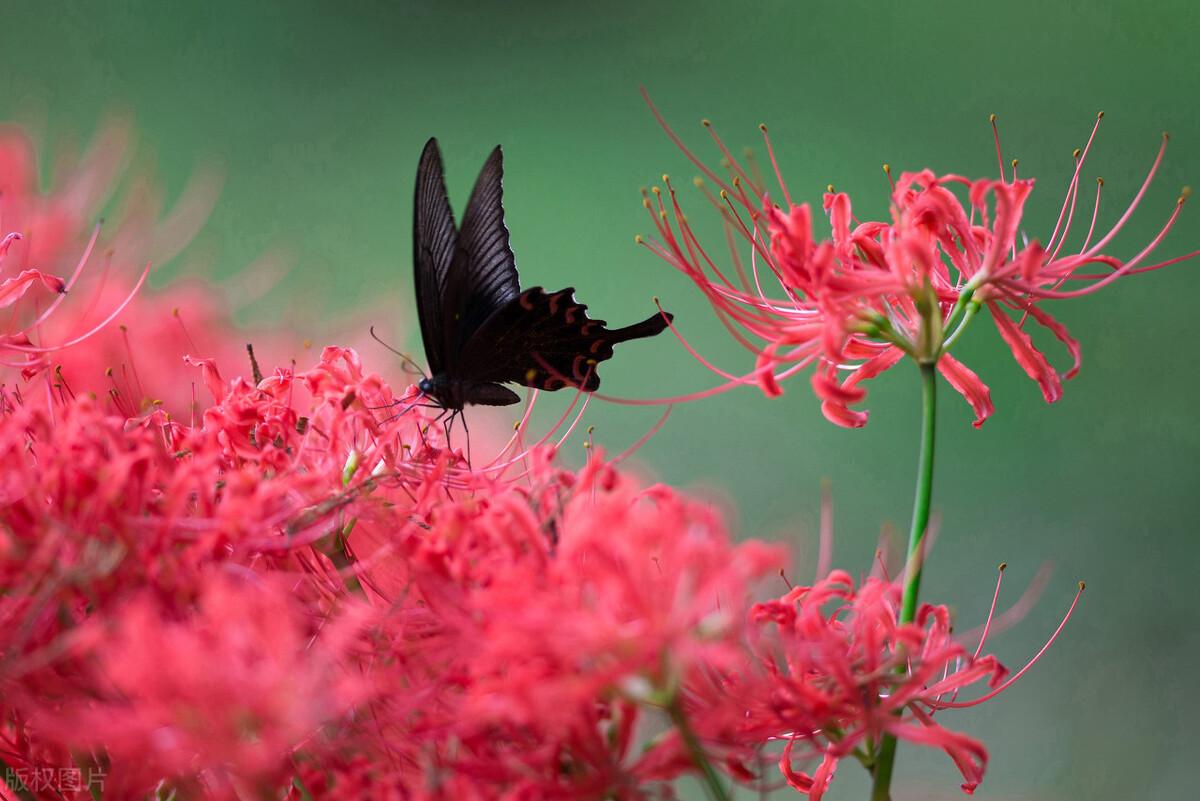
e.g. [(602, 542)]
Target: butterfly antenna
[(408, 360)]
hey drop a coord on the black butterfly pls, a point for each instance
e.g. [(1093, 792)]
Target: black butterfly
[(480, 330)]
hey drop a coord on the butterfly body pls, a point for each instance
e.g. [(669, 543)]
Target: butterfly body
[(452, 393), (480, 329)]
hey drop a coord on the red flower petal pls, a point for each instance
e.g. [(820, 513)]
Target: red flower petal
[(1030, 358), (969, 385)]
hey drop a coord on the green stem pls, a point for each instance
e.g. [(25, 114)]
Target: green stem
[(712, 780), (881, 789), (972, 307), (302, 788), (966, 296)]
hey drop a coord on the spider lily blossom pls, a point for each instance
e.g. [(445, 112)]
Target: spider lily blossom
[(832, 670), (854, 302), (61, 281)]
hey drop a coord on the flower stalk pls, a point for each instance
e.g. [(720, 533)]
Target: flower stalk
[(712, 780), (881, 788)]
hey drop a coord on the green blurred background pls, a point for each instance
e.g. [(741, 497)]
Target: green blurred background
[(317, 112)]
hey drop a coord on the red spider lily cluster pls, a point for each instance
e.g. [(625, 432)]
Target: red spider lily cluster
[(292, 586), (854, 304)]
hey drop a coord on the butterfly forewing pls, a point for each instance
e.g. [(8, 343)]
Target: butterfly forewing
[(483, 277), (435, 242)]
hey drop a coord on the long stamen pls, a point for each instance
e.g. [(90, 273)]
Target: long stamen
[(187, 336), (1073, 184), (137, 380), (996, 138), (70, 283), (991, 611), (1096, 248), (1127, 266), (735, 169), (112, 316), (775, 164), (1071, 201), (1095, 214), (988, 696), (644, 438), (674, 137)]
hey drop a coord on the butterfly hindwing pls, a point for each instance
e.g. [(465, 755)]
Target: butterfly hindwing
[(435, 243), (547, 341)]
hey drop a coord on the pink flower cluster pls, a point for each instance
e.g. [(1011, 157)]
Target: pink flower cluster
[(281, 592), (854, 303), (292, 586)]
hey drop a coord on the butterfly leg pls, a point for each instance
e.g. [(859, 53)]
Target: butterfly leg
[(448, 427), (402, 412), (422, 429), (466, 429)]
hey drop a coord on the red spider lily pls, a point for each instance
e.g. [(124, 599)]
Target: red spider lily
[(328, 477), (529, 635), (834, 671), (218, 690), (524, 631), (855, 303), (629, 615), (51, 238)]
